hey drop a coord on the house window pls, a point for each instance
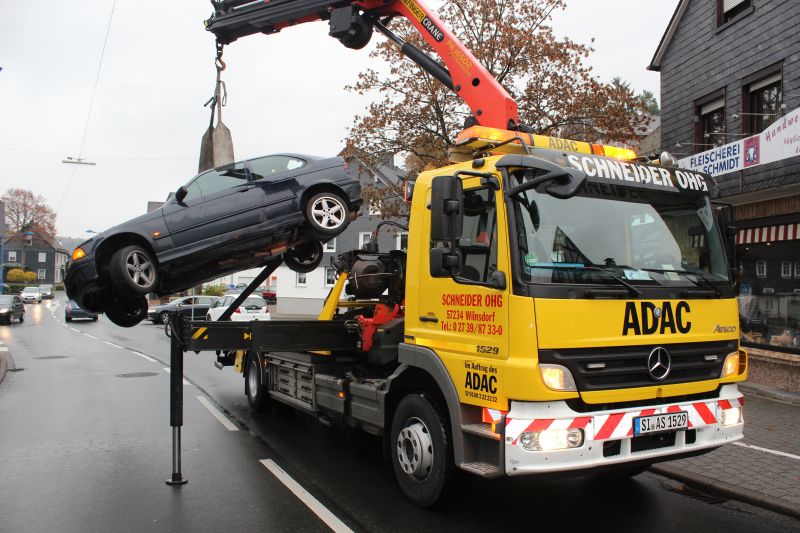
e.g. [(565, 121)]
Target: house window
[(330, 276), (363, 238), (763, 101), (12, 257), (711, 126), (797, 269), (41, 274), (42, 257), (402, 241), (330, 246), (300, 280), (727, 10), (786, 269), (761, 269)]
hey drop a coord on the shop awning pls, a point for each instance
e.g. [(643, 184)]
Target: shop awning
[(781, 232)]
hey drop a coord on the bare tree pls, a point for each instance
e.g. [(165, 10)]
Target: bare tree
[(27, 211)]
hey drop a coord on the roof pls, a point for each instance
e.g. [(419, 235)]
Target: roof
[(655, 63)]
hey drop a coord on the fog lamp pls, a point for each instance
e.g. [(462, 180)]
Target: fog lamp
[(731, 416), (557, 377), (551, 439), (731, 364)]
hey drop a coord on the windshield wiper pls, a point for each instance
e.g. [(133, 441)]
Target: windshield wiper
[(631, 289), (686, 274)]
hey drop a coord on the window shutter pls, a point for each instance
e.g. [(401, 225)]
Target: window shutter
[(712, 106), (766, 81), (727, 5)]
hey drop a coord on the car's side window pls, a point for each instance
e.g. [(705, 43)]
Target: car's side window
[(217, 180), (266, 167)]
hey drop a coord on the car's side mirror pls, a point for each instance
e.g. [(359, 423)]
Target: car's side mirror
[(181, 193)]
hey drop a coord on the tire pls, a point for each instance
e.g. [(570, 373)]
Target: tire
[(254, 387), (327, 213), (133, 271), (67, 319), (94, 319), (127, 312), (422, 456), (305, 257), (163, 318)]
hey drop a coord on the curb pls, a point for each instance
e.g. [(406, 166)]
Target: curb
[(770, 393), (727, 490), (3, 365)]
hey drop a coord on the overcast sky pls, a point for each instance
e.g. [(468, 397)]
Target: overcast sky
[(285, 93)]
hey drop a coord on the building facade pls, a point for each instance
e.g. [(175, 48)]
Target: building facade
[(35, 253), (730, 73)]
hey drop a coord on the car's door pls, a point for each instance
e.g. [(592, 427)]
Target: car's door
[(218, 202), (276, 178)]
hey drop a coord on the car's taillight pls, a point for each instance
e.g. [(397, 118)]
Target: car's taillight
[(238, 310)]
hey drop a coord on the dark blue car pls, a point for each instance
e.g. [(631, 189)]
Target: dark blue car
[(224, 220), (72, 311)]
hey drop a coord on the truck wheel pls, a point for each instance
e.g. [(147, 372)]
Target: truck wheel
[(254, 387), (421, 454), (133, 271), (305, 257), (127, 312), (327, 213)]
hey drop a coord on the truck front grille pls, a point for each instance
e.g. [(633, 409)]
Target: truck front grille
[(596, 369)]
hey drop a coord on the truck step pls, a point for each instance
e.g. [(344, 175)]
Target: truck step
[(486, 470), (481, 429)]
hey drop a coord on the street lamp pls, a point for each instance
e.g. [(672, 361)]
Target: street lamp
[(3, 239)]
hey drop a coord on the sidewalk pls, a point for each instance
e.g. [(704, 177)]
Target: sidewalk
[(764, 468)]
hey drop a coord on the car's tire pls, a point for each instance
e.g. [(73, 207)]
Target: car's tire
[(94, 319), (67, 319), (127, 312), (163, 318), (254, 387), (327, 213), (305, 257), (133, 271), (422, 456)]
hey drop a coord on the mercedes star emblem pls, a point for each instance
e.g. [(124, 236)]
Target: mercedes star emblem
[(659, 363)]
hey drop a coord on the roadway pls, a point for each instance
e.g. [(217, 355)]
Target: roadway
[(85, 445)]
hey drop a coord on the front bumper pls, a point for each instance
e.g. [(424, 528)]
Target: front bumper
[(608, 435), (81, 279)]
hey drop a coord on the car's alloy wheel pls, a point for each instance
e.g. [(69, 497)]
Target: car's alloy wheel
[(305, 257), (163, 318), (327, 213), (133, 270)]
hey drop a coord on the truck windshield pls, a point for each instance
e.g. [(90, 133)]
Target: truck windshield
[(642, 237)]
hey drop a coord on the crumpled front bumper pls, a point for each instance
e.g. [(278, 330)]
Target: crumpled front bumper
[(608, 435)]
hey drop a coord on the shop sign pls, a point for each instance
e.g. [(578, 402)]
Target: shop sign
[(779, 141)]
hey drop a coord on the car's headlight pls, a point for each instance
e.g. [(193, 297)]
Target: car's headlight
[(4, 310), (557, 377)]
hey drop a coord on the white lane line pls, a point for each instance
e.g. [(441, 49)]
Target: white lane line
[(114, 345), (166, 369), (91, 336), (324, 514), (75, 330), (767, 450), (143, 356), (230, 426)]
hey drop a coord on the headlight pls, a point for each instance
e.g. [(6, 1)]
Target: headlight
[(557, 377), (551, 439), (4, 310), (731, 416), (731, 364)]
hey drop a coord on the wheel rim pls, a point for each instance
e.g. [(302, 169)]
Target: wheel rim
[(165, 318), (415, 449), (328, 212), (252, 379), (140, 269)]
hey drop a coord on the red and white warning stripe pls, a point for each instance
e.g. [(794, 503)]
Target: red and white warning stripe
[(781, 232), (620, 425)]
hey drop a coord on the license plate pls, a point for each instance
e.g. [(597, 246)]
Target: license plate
[(663, 422)]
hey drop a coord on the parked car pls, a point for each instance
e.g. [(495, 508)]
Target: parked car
[(253, 308), (222, 221), (47, 292), (72, 311), (11, 307), (194, 306), (270, 294), (30, 295)]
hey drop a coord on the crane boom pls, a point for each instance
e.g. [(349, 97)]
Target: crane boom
[(353, 21)]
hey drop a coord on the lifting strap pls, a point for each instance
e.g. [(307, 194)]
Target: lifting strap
[(216, 147)]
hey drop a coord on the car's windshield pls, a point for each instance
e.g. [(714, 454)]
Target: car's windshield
[(644, 237), (30, 289)]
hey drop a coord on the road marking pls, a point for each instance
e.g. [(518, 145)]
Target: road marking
[(91, 336), (230, 426), (767, 450), (143, 356), (114, 345), (75, 330), (166, 369), (324, 514)]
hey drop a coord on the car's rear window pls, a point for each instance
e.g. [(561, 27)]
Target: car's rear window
[(255, 300)]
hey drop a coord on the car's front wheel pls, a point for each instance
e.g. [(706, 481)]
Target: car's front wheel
[(327, 213), (305, 257), (127, 312), (164, 318), (133, 271)]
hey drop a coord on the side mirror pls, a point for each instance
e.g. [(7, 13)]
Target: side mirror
[(447, 217), (408, 190), (181, 193)]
